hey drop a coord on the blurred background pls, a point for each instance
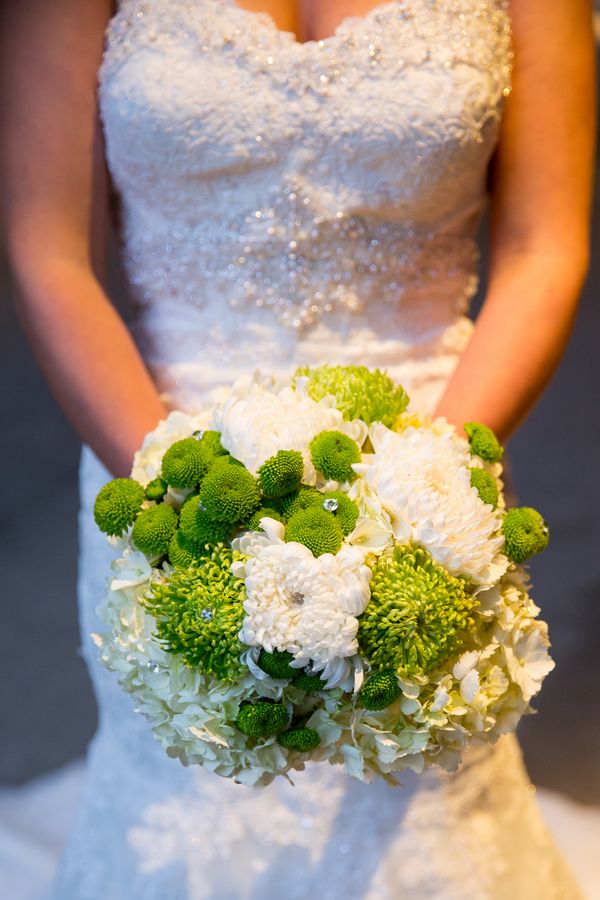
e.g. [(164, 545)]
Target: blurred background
[(47, 710)]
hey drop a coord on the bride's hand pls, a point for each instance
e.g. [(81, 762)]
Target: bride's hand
[(55, 192)]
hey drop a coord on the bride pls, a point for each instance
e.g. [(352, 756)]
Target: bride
[(297, 183)]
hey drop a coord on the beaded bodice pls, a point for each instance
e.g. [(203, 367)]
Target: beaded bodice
[(288, 202)]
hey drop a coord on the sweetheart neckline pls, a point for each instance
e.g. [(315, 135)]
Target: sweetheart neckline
[(265, 18)]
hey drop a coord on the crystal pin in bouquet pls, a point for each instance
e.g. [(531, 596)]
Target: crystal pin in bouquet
[(308, 571)]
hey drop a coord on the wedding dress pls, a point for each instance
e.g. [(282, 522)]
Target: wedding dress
[(288, 203)]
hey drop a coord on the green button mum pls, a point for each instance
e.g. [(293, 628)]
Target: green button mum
[(333, 453), (156, 489), (184, 553), (154, 528), (346, 510), (346, 513), (276, 663), (300, 740), (308, 682), (253, 522), (380, 690), (197, 528), (486, 486), (210, 443), (199, 612), (418, 613), (299, 500), (281, 473), (525, 533), (483, 441), (316, 529), (229, 493), (262, 719), (117, 505), (360, 393), (179, 555), (185, 463)]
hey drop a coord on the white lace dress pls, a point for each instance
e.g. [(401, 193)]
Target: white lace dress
[(285, 204)]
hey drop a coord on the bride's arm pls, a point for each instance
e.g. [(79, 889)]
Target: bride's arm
[(540, 212), (54, 193)]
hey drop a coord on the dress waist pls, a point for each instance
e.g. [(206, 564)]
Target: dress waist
[(192, 355)]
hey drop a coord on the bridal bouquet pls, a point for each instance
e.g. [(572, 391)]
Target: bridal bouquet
[(308, 571)]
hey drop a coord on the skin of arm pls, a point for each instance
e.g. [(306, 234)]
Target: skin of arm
[(541, 190), (55, 210)]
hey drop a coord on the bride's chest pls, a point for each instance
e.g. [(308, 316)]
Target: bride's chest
[(204, 87)]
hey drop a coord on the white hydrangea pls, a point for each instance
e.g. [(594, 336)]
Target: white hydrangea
[(300, 603), (421, 478), (528, 661), (261, 417)]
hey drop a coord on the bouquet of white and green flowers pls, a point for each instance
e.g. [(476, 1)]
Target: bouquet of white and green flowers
[(310, 571)]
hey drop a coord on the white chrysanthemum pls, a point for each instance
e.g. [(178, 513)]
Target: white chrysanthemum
[(422, 479), (302, 604), (259, 418)]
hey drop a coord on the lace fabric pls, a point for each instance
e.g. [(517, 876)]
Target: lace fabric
[(284, 204), (318, 200)]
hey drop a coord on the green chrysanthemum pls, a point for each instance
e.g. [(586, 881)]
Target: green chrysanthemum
[(417, 614), (229, 493), (185, 463), (253, 522), (300, 740), (154, 528), (360, 393), (199, 612), (525, 533), (380, 690), (156, 489), (281, 473), (117, 505), (346, 511), (333, 453), (483, 441), (486, 486), (276, 663), (299, 500), (316, 529), (307, 682), (262, 719), (197, 528)]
